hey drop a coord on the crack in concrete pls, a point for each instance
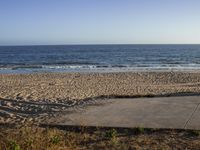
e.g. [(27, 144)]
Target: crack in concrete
[(189, 119)]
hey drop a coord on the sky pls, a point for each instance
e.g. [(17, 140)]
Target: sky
[(43, 22)]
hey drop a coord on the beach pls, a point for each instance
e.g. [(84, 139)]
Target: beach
[(39, 96), (55, 87), (101, 75)]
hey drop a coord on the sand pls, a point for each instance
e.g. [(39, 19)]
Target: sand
[(35, 96)]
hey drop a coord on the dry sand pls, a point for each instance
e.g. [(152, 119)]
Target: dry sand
[(35, 96)]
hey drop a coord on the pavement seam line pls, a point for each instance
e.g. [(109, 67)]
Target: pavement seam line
[(186, 123)]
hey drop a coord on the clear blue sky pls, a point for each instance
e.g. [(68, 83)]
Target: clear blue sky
[(25, 22)]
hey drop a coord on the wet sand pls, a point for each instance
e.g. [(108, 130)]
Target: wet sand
[(36, 97)]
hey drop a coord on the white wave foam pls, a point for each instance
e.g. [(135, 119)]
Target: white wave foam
[(104, 68), (69, 66)]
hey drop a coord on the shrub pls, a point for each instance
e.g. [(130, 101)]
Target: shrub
[(29, 142), (195, 133), (139, 130), (111, 134), (14, 145), (55, 139)]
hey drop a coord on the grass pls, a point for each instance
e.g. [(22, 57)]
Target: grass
[(195, 133), (55, 139), (139, 130), (111, 134), (72, 138), (13, 145)]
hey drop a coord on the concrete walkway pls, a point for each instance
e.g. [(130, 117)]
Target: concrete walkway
[(164, 112)]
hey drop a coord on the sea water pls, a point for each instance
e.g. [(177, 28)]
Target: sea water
[(99, 58)]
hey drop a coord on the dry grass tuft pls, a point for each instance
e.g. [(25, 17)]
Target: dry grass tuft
[(40, 138)]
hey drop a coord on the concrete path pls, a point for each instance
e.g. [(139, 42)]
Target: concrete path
[(164, 112)]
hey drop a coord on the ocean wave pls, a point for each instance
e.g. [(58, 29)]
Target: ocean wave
[(85, 67), (68, 66)]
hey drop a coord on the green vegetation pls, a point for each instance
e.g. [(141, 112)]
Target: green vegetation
[(14, 145), (29, 143), (139, 130), (195, 133), (111, 134), (55, 139), (72, 138)]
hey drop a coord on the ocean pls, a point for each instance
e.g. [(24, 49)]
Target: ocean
[(99, 58)]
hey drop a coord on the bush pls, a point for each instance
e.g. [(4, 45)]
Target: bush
[(29, 143), (55, 139), (139, 130), (111, 134), (195, 133), (14, 145)]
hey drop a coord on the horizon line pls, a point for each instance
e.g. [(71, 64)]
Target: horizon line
[(101, 44)]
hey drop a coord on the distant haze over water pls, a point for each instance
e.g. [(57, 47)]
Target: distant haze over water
[(97, 58)]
